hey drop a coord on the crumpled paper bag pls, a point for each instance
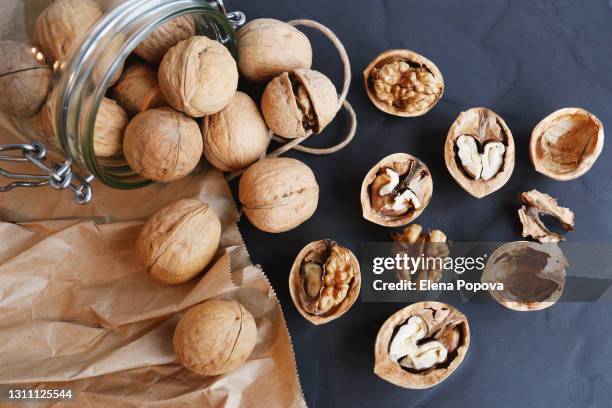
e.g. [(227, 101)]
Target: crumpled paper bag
[(77, 310)]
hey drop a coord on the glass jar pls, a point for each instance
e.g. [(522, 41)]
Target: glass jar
[(80, 81)]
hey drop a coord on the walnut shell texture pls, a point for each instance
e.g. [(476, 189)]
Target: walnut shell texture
[(137, 89), (64, 24), (340, 281), (278, 194), (566, 144), (417, 178), (235, 137), (198, 76), (292, 115), (215, 337), (111, 122), (403, 83), (24, 79), (179, 241), (484, 126), (533, 275), (268, 47), (443, 322), (162, 144), (167, 35)]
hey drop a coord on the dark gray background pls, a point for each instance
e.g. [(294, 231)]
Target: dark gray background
[(523, 59)]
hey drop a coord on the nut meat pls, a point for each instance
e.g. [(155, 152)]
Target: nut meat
[(421, 345), (533, 275), (534, 205), (324, 281), (198, 76), (403, 83), (278, 194), (215, 337), (268, 47), (179, 241), (300, 101), (396, 190), (24, 79), (162, 144), (566, 144), (479, 152), (414, 242)]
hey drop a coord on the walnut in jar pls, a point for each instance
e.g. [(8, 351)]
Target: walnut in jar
[(110, 125), (324, 282), (215, 337), (153, 48), (278, 194), (137, 89), (396, 190), (162, 144), (532, 274), (235, 137), (421, 345), (268, 47), (198, 76), (64, 24), (479, 152), (566, 144), (403, 83), (24, 79), (179, 241), (297, 102)]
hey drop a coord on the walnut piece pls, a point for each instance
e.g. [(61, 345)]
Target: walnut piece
[(324, 281), (396, 190), (536, 203), (403, 83), (421, 345), (479, 151), (533, 275), (414, 242)]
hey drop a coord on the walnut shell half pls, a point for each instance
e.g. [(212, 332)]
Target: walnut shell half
[(324, 282), (440, 326), (403, 83), (299, 101), (566, 143), (533, 275), (396, 190), (278, 194), (479, 152)]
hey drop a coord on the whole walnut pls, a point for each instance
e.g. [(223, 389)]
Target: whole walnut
[(24, 79), (215, 337), (179, 241), (111, 122), (162, 144), (278, 194), (235, 137), (137, 90), (268, 47), (64, 24), (156, 44), (299, 101), (198, 76)]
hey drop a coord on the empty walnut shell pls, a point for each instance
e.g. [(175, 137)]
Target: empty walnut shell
[(403, 203), (482, 127), (566, 144), (324, 282), (215, 337), (444, 324), (299, 101), (278, 194), (403, 83), (533, 275), (268, 47)]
